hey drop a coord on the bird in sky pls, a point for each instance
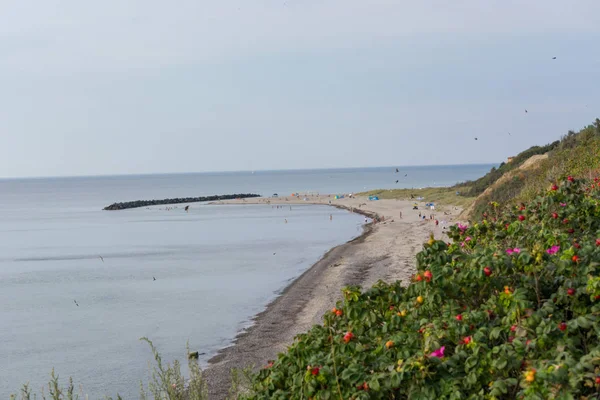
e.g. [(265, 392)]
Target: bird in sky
[(153, 278), (525, 110), (101, 258), (509, 134), (76, 303), (475, 138), (554, 58), (405, 175), (396, 180), (397, 170)]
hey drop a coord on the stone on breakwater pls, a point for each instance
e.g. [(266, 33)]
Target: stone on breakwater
[(179, 200)]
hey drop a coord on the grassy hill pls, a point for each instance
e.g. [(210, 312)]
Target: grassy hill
[(576, 154)]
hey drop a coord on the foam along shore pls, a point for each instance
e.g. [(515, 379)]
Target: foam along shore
[(385, 251), (178, 200)]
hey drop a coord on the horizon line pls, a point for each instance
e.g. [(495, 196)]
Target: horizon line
[(236, 171)]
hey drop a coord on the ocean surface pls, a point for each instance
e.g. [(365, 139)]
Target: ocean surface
[(79, 286)]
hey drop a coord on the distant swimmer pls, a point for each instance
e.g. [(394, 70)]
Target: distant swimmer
[(397, 170), (101, 258)]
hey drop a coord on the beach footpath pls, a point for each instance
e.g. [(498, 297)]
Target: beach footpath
[(385, 251)]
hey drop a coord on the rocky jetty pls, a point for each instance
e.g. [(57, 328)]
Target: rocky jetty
[(179, 200)]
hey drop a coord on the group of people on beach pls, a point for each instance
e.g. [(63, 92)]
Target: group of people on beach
[(433, 219)]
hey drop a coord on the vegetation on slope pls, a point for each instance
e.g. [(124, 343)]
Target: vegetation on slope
[(478, 186), (510, 309), (576, 154)]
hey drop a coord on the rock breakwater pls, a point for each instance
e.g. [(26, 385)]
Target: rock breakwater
[(179, 200)]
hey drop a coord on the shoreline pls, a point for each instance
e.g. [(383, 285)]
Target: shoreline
[(384, 251)]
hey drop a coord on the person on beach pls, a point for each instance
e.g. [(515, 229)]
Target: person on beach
[(436, 222), (419, 214), (286, 220), (400, 214), (331, 217)]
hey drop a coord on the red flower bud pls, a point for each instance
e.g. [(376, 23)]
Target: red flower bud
[(562, 326)]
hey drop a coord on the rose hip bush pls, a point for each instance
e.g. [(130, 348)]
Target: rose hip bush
[(511, 313)]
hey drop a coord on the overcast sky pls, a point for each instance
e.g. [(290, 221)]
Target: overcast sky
[(143, 86)]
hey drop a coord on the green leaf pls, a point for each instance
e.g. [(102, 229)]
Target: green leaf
[(374, 384), (583, 322)]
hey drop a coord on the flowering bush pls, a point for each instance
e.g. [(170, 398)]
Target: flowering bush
[(512, 313)]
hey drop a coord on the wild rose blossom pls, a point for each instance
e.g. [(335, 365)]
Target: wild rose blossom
[(512, 251), (563, 204), (439, 353), (553, 250), (468, 238), (462, 228)]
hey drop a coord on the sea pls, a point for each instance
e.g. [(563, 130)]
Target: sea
[(80, 286)]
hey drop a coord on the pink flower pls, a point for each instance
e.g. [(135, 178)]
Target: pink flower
[(509, 251), (462, 244), (439, 353), (563, 204), (467, 238), (553, 250), (461, 227), (517, 250)]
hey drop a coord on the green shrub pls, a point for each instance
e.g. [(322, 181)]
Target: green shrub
[(508, 310)]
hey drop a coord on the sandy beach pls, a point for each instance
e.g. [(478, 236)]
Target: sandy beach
[(385, 251)]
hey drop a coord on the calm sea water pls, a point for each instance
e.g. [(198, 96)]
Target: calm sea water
[(215, 267)]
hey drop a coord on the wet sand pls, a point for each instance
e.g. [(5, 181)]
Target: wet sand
[(385, 251)]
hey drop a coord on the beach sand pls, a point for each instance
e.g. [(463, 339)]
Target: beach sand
[(385, 251)]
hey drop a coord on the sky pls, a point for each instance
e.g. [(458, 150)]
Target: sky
[(147, 86)]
